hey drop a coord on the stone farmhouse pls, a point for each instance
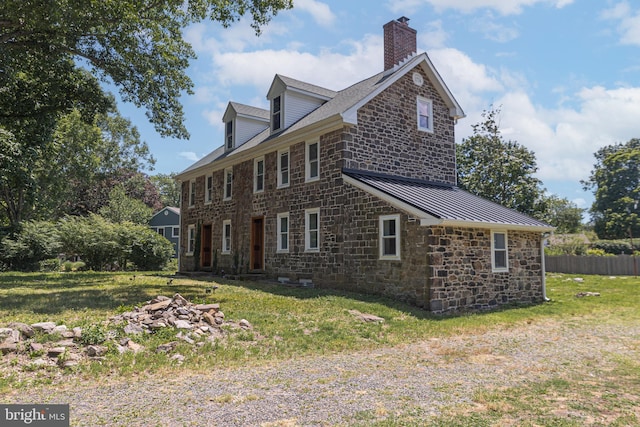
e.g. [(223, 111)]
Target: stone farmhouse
[(356, 190)]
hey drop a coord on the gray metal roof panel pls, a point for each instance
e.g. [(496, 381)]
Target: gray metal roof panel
[(442, 201)]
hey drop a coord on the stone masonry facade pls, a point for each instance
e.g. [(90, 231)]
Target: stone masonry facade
[(441, 269)]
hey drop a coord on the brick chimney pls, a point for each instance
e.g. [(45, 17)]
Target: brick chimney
[(399, 42)]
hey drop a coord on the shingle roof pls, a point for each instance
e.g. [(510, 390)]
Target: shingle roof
[(307, 87), (248, 110), (341, 103), (446, 203)]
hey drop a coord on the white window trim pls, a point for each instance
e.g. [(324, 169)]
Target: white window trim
[(225, 249), (175, 232), (228, 146), (227, 184), (307, 161), (191, 228), (381, 237), (280, 153), (192, 193), (208, 192), (307, 231), (429, 102), (255, 174), (493, 252), (281, 112), (280, 249)]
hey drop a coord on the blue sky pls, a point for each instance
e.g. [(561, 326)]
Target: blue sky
[(565, 73)]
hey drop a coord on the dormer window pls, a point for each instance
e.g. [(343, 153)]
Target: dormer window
[(276, 113), (229, 135)]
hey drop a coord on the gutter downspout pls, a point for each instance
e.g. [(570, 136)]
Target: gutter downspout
[(544, 238)]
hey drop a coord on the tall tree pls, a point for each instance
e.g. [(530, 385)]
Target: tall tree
[(136, 44), (168, 188), (615, 182), (563, 214), (60, 174), (498, 170)]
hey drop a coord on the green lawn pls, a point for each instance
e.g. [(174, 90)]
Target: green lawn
[(290, 322)]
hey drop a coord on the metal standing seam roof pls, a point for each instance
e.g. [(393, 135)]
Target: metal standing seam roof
[(445, 202)]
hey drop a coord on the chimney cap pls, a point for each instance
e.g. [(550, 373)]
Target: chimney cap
[(403, 20)]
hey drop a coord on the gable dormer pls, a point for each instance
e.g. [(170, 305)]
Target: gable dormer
[(292, 99), (241, 123)]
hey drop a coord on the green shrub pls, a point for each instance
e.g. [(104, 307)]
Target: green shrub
[(35, 241), (596, 252), (615, 247), (93, 334), (51, 264)]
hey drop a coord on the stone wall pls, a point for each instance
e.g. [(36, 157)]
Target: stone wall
[(387, 139), (440, 268), (460, 273)]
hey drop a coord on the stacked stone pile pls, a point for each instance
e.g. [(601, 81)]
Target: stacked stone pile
[(195, 323)]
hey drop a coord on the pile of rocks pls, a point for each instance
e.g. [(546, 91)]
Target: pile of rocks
[(195, 323)]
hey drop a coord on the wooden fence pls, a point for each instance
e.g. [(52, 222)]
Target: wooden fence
[(619, 265)]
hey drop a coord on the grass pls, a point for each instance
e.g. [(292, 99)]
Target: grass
[(294, 322)]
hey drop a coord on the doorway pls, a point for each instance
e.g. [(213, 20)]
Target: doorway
[(205, 246), (257, 244)]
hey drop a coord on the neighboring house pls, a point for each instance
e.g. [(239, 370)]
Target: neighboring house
[(166, 222), (356, 189)]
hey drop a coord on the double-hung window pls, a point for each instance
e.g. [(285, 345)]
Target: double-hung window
[(226, 236), (191, 239), (258, 175), (283, 168), (390, 237), (312, 230), (208, 189), (283, 232), (312, 161), (499, 253), (228, 183), (276, 113), (175, 232), (192, 193), (229, 135), (425, 114)]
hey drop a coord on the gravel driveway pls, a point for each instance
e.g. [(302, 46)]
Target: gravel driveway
[(341, 389)]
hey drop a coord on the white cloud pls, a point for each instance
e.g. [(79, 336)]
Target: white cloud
[(433, 36), (469, 82), (257, 68), (564, 139), (629, 22), (190, 155), (492, 30), (504, 7), (320, 12)]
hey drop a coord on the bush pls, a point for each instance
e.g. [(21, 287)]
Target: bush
[(149, 250), (34, 242), (615, 247), (51, 264)]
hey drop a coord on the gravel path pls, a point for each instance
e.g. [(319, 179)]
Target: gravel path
[(342, 389)]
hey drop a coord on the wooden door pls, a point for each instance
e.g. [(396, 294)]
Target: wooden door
[(257, 244), (205, 246)]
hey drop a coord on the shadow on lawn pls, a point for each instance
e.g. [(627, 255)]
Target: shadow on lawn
[(311, 293), (53, 294)]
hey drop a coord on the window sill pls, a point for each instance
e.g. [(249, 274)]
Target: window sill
[(390, 258)]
